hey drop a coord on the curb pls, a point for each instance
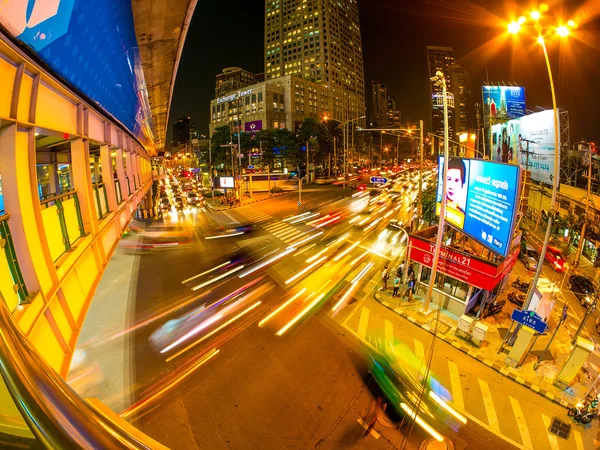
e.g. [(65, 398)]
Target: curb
[(472, 352), (246, 204)]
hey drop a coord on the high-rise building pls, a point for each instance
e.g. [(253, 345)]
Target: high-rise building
[(182, 131), (233, 78), (440, 59), (464, 107), (318, 41), (383, 107)]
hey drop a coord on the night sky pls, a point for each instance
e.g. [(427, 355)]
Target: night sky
[(395, 34)]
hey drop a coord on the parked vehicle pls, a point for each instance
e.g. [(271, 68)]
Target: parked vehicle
[(493, 308), (585, 411), (523, 286), (555, 259), (516, 298), (582, 288), (530, 258)]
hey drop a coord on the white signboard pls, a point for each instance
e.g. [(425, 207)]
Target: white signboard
[(226, 182)]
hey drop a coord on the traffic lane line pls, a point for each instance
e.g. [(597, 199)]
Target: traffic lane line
[(455, 385), (551, 437), (522, 425), (372, 432)]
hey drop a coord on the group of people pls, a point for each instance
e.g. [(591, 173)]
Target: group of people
[(410, 280)]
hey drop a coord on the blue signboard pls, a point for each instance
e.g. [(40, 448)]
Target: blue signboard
[(379, 180), (530, 319), (502, 103), (92, 45), (481, 200)]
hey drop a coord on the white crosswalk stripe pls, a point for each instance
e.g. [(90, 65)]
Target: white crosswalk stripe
[(419, 350), (488, 402), (578, 440), (287, 233), (254, 214), (363, 322), (551, 437), (457, 394), (525, 437)]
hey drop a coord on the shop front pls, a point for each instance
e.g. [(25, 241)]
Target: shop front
[(465, 275)]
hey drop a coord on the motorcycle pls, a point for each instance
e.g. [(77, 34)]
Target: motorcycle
[(517, 299), (493, 308), (523, 286), (585, 411)]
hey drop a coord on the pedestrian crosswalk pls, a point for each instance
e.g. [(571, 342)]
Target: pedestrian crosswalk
[(284, 231), (479, 392), (252, 213)]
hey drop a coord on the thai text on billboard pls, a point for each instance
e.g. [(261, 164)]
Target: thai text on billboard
[(528, 141), (502, 103), (481, 199)]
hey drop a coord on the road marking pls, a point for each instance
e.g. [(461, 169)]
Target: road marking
[(373, 433), (232, 219), (276, 226), (525, 437), (552, 438), (578, 440), (363, 322), (286, 233), (489, 405), (419, 350), (295, 235), (389, 331), (457, 395)]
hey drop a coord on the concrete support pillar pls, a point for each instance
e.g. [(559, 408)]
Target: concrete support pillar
[(21, 201), (108, 177), (82, 180), (121, 172), (129, 169), (54, 186)]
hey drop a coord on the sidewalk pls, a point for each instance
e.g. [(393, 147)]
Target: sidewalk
[(539, 381)]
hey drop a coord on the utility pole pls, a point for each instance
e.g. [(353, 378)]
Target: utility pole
[(587, 208), (563, 317), (421, 170), (334, 157), (590, 307), (398, 151), (439, 79), (307, 168)]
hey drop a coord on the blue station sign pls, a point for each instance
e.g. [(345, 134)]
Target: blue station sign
[(530, 319), (379, 180)]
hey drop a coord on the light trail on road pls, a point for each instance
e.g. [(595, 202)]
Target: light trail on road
[(263, 322), (295, 320)]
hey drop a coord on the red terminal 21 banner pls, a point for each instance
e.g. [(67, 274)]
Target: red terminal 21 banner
[(471, 270)]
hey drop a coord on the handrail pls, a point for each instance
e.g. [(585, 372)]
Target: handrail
[(57, 416), (58, 197)]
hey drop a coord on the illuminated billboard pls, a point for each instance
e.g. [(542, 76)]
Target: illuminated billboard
[(481, 200), (502, 103), (510, 141), (92, 45)]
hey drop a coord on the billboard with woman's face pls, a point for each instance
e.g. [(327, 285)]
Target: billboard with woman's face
[(481, 200)]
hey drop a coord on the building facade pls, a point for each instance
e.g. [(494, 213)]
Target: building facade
[(383, 107), (464, 106), (233, 78), (318, 41), (440, 59), (282, 102), (183, 128)]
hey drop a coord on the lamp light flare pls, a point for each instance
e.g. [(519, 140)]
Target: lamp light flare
[(535, 15), (514, 27), (563, 31), (521, 20), (572, 24), (540, 39)]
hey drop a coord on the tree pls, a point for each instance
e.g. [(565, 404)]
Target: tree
[(221, 155), (428, 204)]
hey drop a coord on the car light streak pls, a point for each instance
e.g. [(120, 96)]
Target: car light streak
[(362, 222), (413, 415), (268, 261), (354, 220), (305, 240), (280, 308), (220, 277), (316, 220), (133, 409), (382, 235), (204, 273), (388, 214), (447, 407), (345, 252), (359, 258), (305, 218), (296, 217), (328, 222), (306, 269), (363, 272), (215, 331), (375, 222), (302, 313), (192, 332), (224, 235)]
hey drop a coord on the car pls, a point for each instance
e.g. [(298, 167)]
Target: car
[(163, 194), (165, 204), (582, 287), (554, 257), (193, 198), (529, 257), (179, 203)]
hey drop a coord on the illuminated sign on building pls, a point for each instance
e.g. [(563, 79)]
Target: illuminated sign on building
[(234, 96)]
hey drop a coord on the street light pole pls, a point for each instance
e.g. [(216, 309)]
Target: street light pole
[(439, 79), (585, 219)]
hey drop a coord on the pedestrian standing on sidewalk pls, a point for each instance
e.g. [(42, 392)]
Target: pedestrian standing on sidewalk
[(411, 270), (410, 288), (396, 286), (400, 270), (384, 277)]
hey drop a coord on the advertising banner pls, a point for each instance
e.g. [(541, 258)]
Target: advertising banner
[(510, 141), (480, 273), (226, 182), (253, 127), (92, 45), (502, 103), (481, 200)]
